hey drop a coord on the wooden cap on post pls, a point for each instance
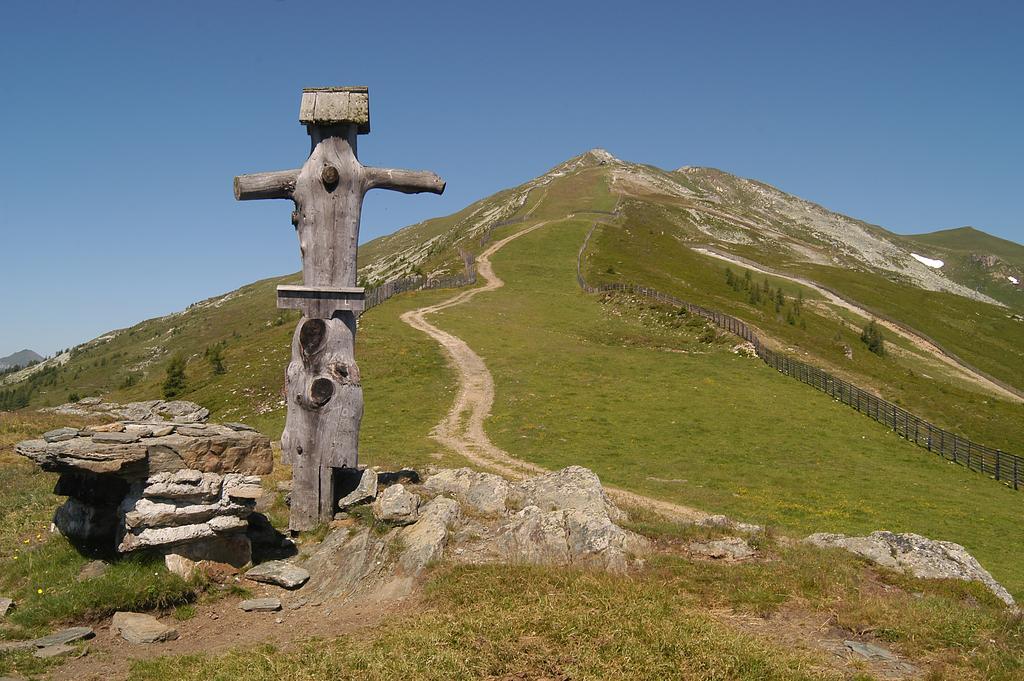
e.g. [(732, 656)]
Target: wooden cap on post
[(333, 105)]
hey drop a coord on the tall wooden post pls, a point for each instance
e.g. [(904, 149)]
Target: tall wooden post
[(325, 397)]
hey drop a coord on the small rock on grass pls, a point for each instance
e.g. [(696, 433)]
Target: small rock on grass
[(261, 605), (727, 548), (279, 573), (5, 605), (64, 636), (93, 570), (136, 627)]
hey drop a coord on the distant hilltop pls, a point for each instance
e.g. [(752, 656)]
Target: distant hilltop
[(19, 359)]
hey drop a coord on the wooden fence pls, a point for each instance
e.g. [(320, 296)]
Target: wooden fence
[(1004, 467), (378, 294)]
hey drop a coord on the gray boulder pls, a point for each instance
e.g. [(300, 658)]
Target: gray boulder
[(397, 506), (922, 557), (483, 493), (568, 537), (139, 628), (574, 487), (5, 605), (424, 542)]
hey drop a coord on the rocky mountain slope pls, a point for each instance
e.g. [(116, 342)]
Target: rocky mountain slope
[(673, 214)]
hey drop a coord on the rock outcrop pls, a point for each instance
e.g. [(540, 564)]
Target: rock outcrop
[(560, 518), (184, 487), (922, 557)]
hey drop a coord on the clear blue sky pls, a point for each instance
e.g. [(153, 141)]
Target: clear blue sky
[(123, 123)]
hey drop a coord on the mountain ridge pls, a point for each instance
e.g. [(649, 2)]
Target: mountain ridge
[(20, 359), (693, 210)]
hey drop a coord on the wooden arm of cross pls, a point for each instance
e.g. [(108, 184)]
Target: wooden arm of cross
[(281, 184)]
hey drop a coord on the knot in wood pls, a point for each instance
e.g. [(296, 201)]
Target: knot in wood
[(329, 176), (321, 391)]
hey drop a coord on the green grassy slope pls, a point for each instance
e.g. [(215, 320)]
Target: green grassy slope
[(698, 424), (979, 260), (642, 250), (644, 402)]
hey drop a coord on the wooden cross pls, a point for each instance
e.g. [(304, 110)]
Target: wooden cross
[(325, 398)]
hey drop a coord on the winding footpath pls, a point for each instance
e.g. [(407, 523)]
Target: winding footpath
[(462, 428)]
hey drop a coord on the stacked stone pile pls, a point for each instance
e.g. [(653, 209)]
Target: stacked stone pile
[(186, 488)]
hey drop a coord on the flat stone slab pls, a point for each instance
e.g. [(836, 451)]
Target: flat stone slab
[(53, 651), (261, 605), (136, 627), (869, 651), (279, 573), (115, 438), (64, 637), (60, 434), (213, 448)]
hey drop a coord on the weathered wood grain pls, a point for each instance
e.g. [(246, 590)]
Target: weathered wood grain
[(405, 181), (275, 185), (322, 383)]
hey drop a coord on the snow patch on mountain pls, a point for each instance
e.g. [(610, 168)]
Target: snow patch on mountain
[(927, 262)]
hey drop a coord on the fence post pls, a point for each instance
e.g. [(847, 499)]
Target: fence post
[(1015, 461), (998, 456)]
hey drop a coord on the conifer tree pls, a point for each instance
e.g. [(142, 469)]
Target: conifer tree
[(174, 384)]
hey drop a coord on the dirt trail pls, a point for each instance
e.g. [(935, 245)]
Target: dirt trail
[(922, 343), (462, 429)]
